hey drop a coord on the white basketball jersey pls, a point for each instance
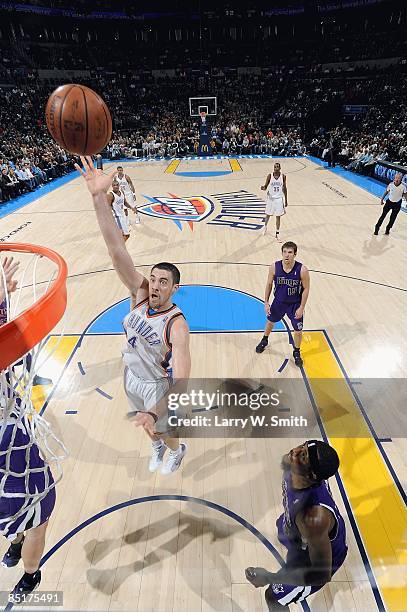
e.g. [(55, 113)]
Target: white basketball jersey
[(275, 188), (118, 204), (124, 186), (148, 349)]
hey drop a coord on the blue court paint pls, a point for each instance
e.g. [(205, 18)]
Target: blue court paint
[(28, 198), (183, 498), (71, 412), (204, 174), (207, 308), (385, 440), (367, 183), (106, 395)]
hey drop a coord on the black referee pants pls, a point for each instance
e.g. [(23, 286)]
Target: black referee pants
[(394, 207)]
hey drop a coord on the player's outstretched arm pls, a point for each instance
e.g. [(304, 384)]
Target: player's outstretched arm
[(98, 184)]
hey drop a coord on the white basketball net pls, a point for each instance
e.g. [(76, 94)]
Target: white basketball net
[(28, 446)]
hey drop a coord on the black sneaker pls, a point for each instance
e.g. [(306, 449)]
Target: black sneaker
[(27, 583), (387, 232), (297, 357), (376, 232), (13, 555), (262, 345)]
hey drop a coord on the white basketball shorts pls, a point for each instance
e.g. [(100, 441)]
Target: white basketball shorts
[(275, 206)]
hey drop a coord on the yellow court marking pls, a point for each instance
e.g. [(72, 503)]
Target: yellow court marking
[(378, 508), (235, 165), (54, 366), (170, 169)]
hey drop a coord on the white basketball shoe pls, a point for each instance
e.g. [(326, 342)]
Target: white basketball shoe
[(174, 459), (157, 455)]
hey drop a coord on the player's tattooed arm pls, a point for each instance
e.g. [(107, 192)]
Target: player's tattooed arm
[(266, 184), (269, 286), (98, 185)]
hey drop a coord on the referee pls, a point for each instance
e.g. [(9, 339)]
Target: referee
[(396, 192)]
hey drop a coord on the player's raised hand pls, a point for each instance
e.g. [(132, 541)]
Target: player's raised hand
[(10, 267), (96, 181)]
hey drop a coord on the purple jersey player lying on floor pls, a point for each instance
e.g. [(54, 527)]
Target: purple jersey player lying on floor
[(311, 528), (22, 521)]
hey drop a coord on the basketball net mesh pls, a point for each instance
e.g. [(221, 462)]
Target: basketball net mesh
[(28, 446)]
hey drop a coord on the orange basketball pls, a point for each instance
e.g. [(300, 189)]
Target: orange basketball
[(78, 119)]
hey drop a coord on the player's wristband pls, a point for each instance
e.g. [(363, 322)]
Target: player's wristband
[(155, 417)]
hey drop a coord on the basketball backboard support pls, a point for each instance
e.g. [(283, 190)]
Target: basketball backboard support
[(207, 104)]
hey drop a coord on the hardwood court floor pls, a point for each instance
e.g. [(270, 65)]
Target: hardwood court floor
[(178, 553)]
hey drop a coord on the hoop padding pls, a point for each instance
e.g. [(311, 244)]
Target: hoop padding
[(21, 334)]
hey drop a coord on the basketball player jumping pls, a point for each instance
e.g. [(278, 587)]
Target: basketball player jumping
[(22, 474), (118, 202), (311, 528), (276, 198), (156, 331), (127, 188), (291, 289)]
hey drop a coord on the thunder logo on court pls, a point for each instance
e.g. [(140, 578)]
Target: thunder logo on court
[(190, 210)]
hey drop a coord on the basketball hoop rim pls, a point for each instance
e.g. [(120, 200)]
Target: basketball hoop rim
[(20, 335)]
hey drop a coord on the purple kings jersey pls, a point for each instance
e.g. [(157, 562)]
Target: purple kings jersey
[(287, 285), (297, 500), (3, 313), (24, 455)]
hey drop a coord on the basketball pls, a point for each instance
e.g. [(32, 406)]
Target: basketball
[(78, 119)]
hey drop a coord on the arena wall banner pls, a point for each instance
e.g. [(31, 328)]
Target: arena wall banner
[(385, 172)]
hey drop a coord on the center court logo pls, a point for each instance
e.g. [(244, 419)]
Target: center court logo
[(188, 210), (236, 209)]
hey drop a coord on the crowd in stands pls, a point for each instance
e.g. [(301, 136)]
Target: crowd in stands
[(279, 110), (152, 119)]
